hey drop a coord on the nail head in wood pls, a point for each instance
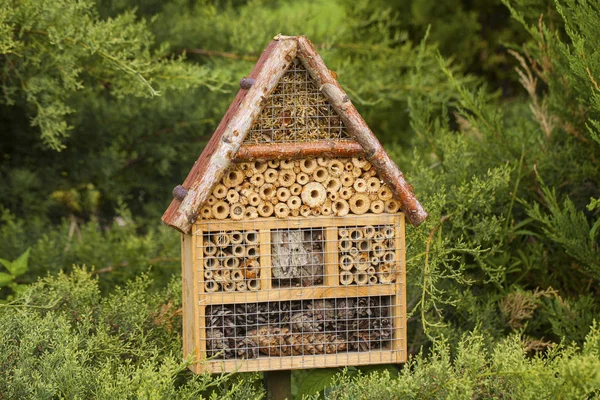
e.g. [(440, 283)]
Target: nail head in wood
[(179, 192), (246, 83)]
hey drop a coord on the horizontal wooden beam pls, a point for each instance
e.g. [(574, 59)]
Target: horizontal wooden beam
[(324, 148)]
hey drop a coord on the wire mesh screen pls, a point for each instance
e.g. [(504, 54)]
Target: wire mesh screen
[(300, 260), (296, 111)]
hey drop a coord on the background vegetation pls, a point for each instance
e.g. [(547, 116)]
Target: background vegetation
[(492, 110)]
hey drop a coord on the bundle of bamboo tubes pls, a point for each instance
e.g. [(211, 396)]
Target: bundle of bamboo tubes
[(231, 261), (303, 187), (367, 255)]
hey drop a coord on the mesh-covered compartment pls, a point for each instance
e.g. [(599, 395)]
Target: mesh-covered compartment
[(297, 328), (231, 261), (297, 257), (367, 255), (296, 111)]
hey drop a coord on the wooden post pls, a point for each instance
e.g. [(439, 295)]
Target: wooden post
[(279, 385)]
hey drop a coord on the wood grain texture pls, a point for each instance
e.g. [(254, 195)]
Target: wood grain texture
[(278, 151)]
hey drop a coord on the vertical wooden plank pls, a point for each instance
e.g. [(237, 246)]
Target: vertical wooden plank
[(331, 268), (279, 385), (400, 299), (265, 258), (200, 321), (187, 286)]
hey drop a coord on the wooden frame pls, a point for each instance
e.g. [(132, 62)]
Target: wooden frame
[(193, 293)]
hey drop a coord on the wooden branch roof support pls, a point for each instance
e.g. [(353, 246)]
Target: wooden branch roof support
[(225, 145)]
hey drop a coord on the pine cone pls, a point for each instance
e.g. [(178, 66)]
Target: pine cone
[(305, 322), (216, 343)]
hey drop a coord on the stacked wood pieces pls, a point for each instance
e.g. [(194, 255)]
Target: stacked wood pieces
[(303, 187), (295, 328), (297, 257), (230, 261), (296, 111), (367, 255)]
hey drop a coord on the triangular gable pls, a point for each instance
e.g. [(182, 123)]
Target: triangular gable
[(244, 111), (296, 111)]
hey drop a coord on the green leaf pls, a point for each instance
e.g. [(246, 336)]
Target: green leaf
[(315, 381), (5, 279), (368, 369), (19, 266)]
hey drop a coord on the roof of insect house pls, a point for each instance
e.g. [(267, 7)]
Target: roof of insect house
[(236, 140)]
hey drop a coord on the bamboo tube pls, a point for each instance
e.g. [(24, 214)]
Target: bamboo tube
[(320, 174), (219, 191), (316, 211), (356, 172), (231, 262), (233, 178), (375, 260), (287, 178), (236, 237), (353, 251), (367, 166), (211, 262), (241, 286), (237, 212), (364, 245), (313, 194), (220, 210), (251, 212), (238, 250), (229, 287), (346, 193), (259, 166), (341, 207), (221, 239), (369, 231), (237, 275), (359, 203), (385, 277), (373, 197), (348, 166), (282, 210), (378, 236), (208, 274), (332, 184), (218, 277), (326, 208), (209, 248), (392, 206), (253, 284), (388, 232), (362, 262), (265, 209), (346, 262), (271, 175), (283, 194), (385, 193), (211, 200), (356, 234), (286, 164), (274, 163), (251, 237), (206, 212), (335, 168), (359, 162), (360, 185), (322, 161), (251, 271), (302, 178), (211, 286), (372, 279), (344, 245), (296, 189), (343, 232), (247, 191), (226, 275), (361, 278), (333, 196), (295, 213), (377, 207), (377, 249), (305, 210), (267, 191), (232, 196), (252, 251), (347, 179), (373, 185), (294, 203), (308, 165), (254, 199), (346, 278), (389, 257), (257, 180), (244, 201), (371, 270)]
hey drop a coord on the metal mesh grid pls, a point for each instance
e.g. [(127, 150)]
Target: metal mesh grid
[(296, 111)]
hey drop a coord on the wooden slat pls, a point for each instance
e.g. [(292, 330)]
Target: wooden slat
[(331, 267), (188, 295), (303, 362), (403, 356), (200, 321), (301, 293), (265, 259), (294, 222), (278, 151)]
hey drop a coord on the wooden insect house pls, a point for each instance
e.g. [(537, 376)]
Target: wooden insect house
[(292, 224)]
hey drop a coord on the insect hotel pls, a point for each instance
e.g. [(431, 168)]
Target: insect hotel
[(293, 228)]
